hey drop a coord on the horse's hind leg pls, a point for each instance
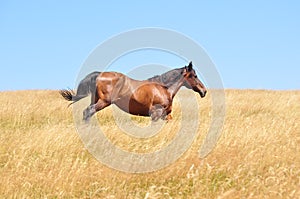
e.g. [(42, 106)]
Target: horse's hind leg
[(88, 112), (92, 109), (94, 98)]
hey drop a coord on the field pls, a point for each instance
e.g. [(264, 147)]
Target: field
[(257, 155)]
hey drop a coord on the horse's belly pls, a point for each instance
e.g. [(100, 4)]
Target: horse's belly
[(139, 110), (133, 107), (143, 99)]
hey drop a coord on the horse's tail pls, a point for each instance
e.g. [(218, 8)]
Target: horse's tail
[(85, 87)]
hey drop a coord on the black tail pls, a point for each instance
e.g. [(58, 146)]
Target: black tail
[(85, 87), (67, 94)]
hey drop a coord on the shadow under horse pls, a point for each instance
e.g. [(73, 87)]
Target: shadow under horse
[(152, 97)]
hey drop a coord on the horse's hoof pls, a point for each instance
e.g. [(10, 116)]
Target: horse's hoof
[(86, 120), (169, 118)]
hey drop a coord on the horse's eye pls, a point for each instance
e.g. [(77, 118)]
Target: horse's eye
[(195, 76)]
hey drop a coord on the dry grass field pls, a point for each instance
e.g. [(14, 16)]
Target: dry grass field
[(257, 155)]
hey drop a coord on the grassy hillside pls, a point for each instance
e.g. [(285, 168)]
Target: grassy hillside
[(41, 154)]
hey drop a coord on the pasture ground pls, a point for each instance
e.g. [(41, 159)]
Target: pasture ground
[(257, 156)]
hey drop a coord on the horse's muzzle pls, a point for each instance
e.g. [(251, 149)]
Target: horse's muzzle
[(202, 93)]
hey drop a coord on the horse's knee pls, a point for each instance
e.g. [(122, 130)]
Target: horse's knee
[(157, 112), (155, 115)]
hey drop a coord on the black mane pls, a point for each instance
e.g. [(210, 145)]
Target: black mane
[(168, 78)]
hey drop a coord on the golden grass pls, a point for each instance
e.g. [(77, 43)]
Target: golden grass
[(257, 156)]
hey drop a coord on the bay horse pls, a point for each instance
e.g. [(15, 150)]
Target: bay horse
[(152, 97)]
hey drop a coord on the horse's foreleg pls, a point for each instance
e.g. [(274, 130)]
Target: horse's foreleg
[(167, 116), (92, 109), (156, 112)]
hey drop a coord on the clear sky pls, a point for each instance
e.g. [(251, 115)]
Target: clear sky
[(254, 44)]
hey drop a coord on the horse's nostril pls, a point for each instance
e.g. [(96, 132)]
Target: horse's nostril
[(203, 93)]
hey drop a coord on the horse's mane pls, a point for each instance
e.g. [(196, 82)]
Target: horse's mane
[(168, 78)]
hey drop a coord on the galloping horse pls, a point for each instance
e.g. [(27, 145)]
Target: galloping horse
[(152, 97)]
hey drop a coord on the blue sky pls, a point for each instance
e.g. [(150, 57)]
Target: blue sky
[(254, 44)]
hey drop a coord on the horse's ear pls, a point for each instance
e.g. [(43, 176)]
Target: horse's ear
[(190, 66)]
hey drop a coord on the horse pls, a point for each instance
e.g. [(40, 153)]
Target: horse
[(151, 97)]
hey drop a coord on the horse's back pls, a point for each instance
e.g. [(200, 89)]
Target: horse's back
[(109, 76)]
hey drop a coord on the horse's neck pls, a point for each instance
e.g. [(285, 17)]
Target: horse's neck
[(173, 89)]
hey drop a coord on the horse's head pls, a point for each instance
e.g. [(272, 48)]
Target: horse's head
[(191, 80)]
